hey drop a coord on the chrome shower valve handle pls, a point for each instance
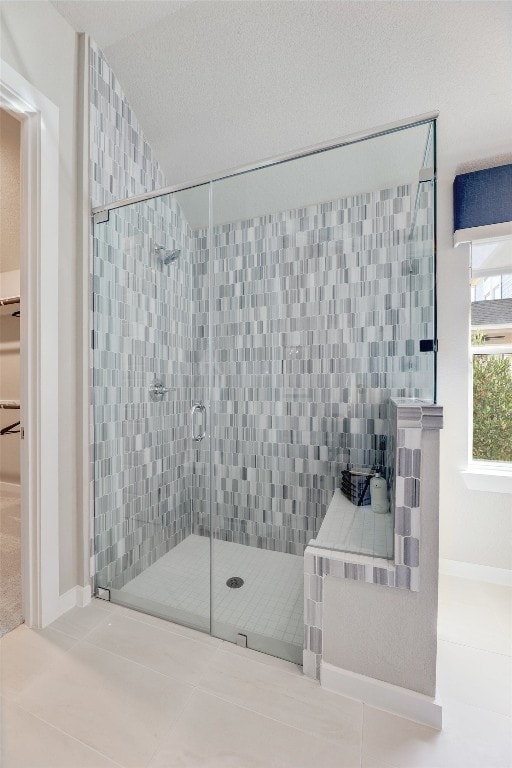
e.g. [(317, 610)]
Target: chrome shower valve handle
[(158, 391)]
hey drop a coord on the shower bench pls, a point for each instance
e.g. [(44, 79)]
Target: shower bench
[(344, 549)]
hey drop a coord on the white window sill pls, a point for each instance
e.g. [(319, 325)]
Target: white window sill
[(488, 477)]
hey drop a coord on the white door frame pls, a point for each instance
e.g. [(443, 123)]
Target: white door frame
[(39, 339)]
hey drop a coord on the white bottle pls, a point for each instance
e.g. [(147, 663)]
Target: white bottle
[(379, 494)]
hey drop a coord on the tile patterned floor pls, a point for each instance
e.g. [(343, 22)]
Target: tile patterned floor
[(269, 604), (106, 686)]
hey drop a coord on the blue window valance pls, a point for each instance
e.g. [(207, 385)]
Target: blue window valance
[(482, 197)]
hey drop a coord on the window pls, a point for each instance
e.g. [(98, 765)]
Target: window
[(491, 350)]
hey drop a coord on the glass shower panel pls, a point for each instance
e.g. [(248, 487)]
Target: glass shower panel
[(151, 485), (421, 342), (422, 329), (310, 329), (248, 336)]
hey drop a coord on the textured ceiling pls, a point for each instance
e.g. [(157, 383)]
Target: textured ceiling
[(217, 85), (110, 21)]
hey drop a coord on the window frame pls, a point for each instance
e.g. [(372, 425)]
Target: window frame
[(482, 474)]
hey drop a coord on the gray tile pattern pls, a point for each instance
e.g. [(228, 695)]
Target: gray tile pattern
[(121, 162), (144, 462), (408, 420), (316, 318)]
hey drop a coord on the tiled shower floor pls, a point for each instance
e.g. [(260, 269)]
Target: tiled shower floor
[(268, 607)]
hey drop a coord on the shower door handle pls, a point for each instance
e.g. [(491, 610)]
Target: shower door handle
[(198, 408)]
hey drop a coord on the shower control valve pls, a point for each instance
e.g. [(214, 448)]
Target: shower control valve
[(158, 391)]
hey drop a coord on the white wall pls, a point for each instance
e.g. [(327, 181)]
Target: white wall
[(247, 80), (42, 47)]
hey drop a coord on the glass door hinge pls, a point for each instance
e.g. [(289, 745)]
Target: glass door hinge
[(427, 174), (103, 594), (101, 217), (428, 345)]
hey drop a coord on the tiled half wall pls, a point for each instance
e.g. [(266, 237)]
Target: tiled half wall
[(409, 420)]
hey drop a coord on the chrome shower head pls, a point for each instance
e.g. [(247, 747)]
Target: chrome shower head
[(165, 255)]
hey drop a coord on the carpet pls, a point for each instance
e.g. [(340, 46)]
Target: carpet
[(10, 562)]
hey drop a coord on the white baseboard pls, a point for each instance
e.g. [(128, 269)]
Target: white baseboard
[(10, 488), (476, 572), (83, 596), (391, 698), (75, 597)]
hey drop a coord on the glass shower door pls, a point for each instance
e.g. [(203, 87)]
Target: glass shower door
[(150, 387), (321, 291), (248, 337), (421, 293)]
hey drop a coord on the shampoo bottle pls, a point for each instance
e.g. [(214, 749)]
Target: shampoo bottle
[(379, 494)]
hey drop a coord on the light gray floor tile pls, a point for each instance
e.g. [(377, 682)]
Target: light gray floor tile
[(475, 614), (120, 708), (372, 762), (214, 733), (169, 626), (78, 622), (480, 678), (26, 654), (261, 658), (166, 652), (287, 696), (471, 738), (28, 742)]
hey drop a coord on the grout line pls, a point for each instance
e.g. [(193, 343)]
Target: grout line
[(208, 666), (384, 763), (137, 663), (85, 634), (258, 661), (65, 733), (452, 701), (473, 647), (59, 632), (172, 728), (319, 736)]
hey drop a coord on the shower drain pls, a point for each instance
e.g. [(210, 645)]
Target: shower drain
[(235, 582)]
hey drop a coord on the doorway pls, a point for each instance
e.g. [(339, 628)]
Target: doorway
[(11, 613)]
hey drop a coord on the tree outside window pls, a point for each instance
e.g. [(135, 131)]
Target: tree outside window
[(491, 346)]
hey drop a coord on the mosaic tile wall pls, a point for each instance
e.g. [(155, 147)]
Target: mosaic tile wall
[(121, 162), (310, 317), (143, 468), (142, 332), (317, 316)]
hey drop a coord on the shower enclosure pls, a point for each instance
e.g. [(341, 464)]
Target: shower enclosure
[(248, 334)]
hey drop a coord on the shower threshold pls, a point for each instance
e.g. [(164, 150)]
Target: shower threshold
[(268, 607)]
